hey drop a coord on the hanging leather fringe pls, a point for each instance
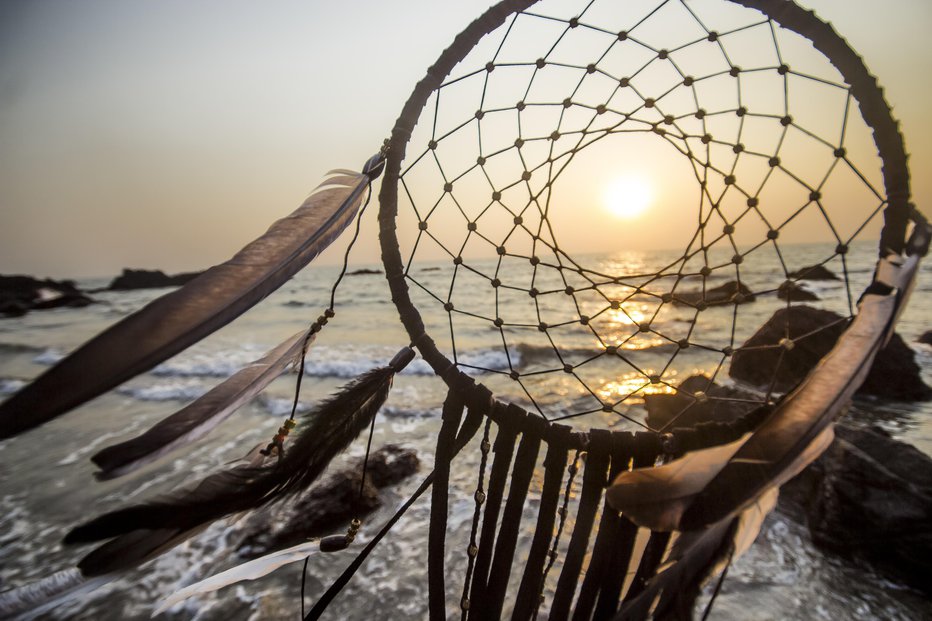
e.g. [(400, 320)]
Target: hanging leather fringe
[(554, 469), (452, 414), (594, 480), (643, 448), (605, 542), (490, 607), (146, 530)]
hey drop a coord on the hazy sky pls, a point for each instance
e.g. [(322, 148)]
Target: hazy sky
[(166, 134)]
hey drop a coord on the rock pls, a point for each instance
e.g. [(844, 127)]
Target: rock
[(330, 504), (813, 272), (732, 292), (363, 272), (793, 292), (894, 375), (148, 279), (869, 497), (20, 294), (926, 337), (688, 412)]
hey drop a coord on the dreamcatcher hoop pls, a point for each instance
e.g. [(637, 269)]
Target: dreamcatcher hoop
[(735, 478), (873, 107)]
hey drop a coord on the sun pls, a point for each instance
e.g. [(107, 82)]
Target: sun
[(628, 197)]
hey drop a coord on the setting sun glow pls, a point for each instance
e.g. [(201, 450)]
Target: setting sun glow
[(628, 197)]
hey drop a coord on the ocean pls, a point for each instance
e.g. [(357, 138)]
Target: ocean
[(47, 484)]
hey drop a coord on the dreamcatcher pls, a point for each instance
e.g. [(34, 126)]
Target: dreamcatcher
[(767, 131)]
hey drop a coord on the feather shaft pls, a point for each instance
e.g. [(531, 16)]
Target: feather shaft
[(200, 416), (178, 319)]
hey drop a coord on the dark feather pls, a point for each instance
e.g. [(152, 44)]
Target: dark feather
[(176, 320), (199, 417), (170, 519), (800, 428), (683, 496)]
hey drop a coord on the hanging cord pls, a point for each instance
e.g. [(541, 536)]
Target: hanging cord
[(372, 169), (473, 549)]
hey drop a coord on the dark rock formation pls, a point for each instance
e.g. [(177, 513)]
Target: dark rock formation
[(732, 292), (869, 497), (716, 403), (926, 337), (813, 272), (148, 279), (362, 272), (21, 294), (793, 292), (894, 375), (330, 504)]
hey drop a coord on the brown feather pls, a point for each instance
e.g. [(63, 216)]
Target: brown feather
[(200, 416), (176, 320)]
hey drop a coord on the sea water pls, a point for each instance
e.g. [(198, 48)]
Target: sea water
[(47, 484)]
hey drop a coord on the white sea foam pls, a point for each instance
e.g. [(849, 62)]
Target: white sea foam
[(348, 363), (49, 357), (173, 390), (223, 363), (8, 386)]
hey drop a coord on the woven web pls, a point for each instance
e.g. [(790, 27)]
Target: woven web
[(755, 147)]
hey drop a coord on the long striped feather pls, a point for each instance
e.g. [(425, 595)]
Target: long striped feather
[(180, 318), (203, 414)]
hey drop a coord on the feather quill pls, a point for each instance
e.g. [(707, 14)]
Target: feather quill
[(692, 559), (200, 416), (180, 318), (145, 530), (251, 570)]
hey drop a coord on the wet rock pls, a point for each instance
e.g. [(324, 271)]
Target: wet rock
[(21, 294), (732, 292), (894, 375), (330, 504), (926, 337), (149, 279), (813, 272), (869, 497), (362, 272), (793, 292), (715, 403)]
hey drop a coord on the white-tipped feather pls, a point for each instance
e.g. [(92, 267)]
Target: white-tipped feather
[(251, 570)]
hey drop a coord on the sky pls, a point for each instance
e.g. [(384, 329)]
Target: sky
[(168, 134)]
